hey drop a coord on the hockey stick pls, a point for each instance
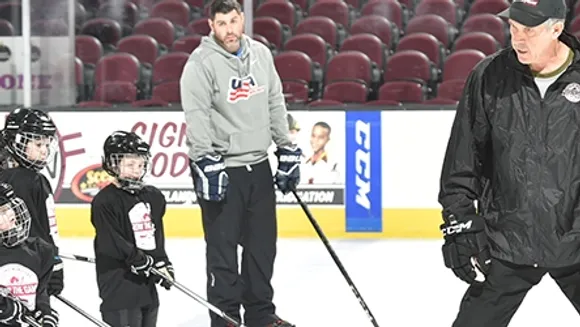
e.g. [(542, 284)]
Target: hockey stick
[(82, 312), (5, 292), (199, 299), (77, 257), (335, 258), (177, 285)]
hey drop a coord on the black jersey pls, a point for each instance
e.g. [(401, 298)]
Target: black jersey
[(26, 269), (127, 226), (35, 190)]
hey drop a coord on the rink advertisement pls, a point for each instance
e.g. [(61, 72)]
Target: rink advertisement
[(77, 174), (403, 179), (363, 205)]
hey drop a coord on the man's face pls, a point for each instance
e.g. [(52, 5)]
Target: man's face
[(318, 138), (228, 29), (531, 43)]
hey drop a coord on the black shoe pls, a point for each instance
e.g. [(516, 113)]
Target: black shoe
[(280, 323)]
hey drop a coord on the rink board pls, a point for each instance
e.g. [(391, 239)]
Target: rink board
[(379, 177), (292, 223)]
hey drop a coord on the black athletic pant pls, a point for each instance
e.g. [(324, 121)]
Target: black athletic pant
[(247, 216), (493, 303), (137, 317)]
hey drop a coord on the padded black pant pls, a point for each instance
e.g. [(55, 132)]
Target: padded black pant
[(247, 216), (494, 303), (137, 317)]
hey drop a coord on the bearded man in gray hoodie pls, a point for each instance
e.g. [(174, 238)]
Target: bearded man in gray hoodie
[(234, 109)]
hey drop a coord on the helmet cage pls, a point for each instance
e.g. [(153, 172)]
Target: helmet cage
[(113, 164), (25, 145), (14, 222)]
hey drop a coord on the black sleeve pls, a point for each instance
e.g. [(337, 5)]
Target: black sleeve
[(462, 171), (47, 254), (112, 241), (31, 192), (161, 255)]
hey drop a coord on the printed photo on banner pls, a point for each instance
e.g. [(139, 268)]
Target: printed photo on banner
[(76, 175), (321, 137)]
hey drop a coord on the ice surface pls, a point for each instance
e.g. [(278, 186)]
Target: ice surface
[(403, 282)]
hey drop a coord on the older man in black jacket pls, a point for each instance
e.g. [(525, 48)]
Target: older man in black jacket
[(510, 184)]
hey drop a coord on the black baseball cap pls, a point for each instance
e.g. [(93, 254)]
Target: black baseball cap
[(535, 12)]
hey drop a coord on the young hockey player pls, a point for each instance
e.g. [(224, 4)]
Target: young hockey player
[(25, 266), (30, 139), (127, 217)]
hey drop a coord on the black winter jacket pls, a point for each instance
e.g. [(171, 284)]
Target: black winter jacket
[(518, 156)]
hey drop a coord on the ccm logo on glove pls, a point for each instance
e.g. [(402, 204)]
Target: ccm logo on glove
[(457, 228)]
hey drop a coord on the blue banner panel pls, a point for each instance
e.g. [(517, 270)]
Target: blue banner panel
[(363, 198)]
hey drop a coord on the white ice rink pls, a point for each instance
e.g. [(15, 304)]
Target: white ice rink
[(403, 282)]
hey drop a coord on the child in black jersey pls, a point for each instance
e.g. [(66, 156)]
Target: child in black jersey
[(127, 217), (29, 144), (25, 265)]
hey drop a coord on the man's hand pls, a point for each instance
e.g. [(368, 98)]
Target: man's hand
[(210, 179), (466, 249), (288, 173)]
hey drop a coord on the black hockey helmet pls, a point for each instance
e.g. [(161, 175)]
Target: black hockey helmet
[(120, 145), (14, 217), (30, 137)]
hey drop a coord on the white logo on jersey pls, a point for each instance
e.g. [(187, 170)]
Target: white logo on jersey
[(143, 227), (21, 281), (51, 214)]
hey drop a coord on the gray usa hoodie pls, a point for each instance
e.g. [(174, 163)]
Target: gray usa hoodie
[(233, 105)]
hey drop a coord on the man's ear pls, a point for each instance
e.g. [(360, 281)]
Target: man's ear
[(243, 17), (558, 28), (210, 23)]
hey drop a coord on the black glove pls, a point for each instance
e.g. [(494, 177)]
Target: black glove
[(166, 268), (143, 266), (288, 173), (466, 248), (210, 179), (11, 311), (56, 282), (49, 319)]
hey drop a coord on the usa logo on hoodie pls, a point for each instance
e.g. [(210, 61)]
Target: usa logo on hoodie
[(243, 88)]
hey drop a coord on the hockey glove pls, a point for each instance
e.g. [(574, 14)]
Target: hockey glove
[(210, 179), (56, 282), (143, 267), (11, 311), (169, 274), (466, 249), (288, 174), (46, 319)]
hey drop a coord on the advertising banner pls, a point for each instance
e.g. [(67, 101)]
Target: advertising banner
[(363, 166), (52, 71), (321, 138), (76, 175)]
